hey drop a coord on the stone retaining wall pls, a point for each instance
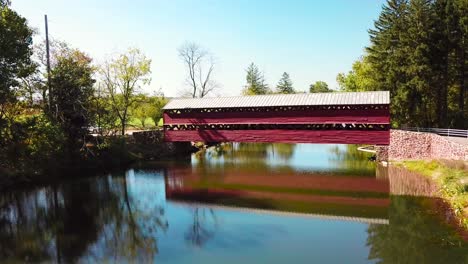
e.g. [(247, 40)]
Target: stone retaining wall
[(407, 145)]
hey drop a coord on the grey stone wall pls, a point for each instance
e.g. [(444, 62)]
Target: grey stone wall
[(407, 145)]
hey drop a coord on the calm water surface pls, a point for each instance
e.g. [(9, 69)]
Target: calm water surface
[(236, 203)]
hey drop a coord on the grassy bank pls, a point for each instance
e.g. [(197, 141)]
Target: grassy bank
[(452, 179)]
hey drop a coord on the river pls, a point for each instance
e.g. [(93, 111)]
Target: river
[(235, 203)]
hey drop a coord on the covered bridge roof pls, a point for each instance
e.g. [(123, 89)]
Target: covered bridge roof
[(335, 98)]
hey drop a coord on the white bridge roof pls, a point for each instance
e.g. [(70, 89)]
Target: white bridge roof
[(310, 99)]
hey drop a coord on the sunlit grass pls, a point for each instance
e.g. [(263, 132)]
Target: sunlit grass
[(453, 183), (136, 123)]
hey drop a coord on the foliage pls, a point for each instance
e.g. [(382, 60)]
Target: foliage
[(361, 78), (143, 111), (285, 85), (149, 107), (255, 82), (15, 62), (319, 87), (72, 93), (158, 103), (33, 142), (122, 78), (418, 52), (105, 119)]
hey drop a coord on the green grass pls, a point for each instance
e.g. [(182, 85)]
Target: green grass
[(136, 123), (449, 179)]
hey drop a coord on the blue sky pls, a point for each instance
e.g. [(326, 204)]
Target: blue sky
[(311, 40)]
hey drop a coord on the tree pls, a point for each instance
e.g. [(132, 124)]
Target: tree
[(72, 94), (158, 102), (360, 78), (319, 87), (255, 81), (105, 118), (122, 78), (200, 66), (285, 85), (15, 62)]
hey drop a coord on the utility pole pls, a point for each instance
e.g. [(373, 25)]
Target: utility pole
[(48, 61)]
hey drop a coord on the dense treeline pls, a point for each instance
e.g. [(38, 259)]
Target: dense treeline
[(418, 52), (47, 116)]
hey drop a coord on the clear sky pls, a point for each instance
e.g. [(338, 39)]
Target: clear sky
[(311, 40)]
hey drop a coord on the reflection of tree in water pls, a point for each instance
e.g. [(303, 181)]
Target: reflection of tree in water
[(93, 219), (416, 234), (133, 228), (247, 152), (348, 157), (283, 150), (203, 227)]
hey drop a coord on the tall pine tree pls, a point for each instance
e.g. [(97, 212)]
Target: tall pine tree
[(285, 85), (418, 52), (255, 81), (389, 58)]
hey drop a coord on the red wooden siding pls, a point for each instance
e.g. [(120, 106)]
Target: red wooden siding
[(284, 135), (378, 116)]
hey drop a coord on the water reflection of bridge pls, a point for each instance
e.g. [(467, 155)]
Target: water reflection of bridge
[(334, 197)]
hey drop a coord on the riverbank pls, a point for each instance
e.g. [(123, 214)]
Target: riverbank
[(451, 178), (101, 155)]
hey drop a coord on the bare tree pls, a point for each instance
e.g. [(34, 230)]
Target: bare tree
[(200, 64)]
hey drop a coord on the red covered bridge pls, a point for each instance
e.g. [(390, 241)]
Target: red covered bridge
[(341, 118)]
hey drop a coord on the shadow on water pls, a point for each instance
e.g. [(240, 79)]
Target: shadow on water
[(201, 212)]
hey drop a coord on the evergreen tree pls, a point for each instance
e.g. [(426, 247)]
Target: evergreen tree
[(389, 57), (458, 60), (255, 81), (420, 72), (418, 52), (285, 85)]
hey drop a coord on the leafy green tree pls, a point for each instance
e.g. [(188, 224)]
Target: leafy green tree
[(72, 94), (360, 78), (105, 119), (285, 85), (122, 77), (15, 53), (319, 87), (158, 102), (255, 81), (142, 109)]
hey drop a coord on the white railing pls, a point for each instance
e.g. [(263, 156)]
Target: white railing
[(448, 132)]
